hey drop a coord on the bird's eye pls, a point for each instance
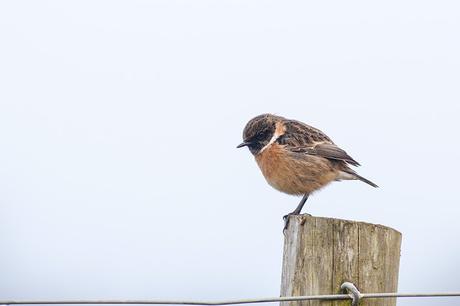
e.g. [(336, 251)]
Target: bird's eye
[(262, 135)]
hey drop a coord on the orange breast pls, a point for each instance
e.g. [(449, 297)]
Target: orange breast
[(294, 173)]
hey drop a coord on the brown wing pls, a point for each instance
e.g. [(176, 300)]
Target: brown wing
[(301, 134), (302, 138)]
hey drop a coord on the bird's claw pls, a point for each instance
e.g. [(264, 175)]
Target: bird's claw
[(287, 217), (286, 221)]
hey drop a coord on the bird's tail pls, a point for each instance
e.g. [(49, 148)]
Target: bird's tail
[(365, 180), (350, 174)]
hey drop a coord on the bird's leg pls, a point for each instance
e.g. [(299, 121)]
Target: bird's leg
[(301, 204), (296, 211)]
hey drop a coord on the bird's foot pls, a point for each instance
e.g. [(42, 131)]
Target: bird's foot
[(286, 220), (287, 217)]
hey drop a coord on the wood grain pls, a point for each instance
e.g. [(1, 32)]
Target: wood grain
[(322, 253)]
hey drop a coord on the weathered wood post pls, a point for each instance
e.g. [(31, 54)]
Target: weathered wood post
[(322, 253)]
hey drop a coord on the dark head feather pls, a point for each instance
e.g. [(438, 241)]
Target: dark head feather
[(258, 131)]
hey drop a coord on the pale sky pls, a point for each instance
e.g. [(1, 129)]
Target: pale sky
[(119, 176)]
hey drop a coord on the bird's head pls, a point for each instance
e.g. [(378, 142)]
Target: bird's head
[(260, 132)]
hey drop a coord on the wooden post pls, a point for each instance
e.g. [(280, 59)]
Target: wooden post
[(322, 253)]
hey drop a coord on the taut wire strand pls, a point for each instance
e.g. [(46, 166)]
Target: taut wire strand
[(230, 302)]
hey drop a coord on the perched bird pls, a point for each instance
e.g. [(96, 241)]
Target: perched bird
[(296, 158)]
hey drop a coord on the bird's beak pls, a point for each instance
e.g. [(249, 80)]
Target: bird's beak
[(243, 144)]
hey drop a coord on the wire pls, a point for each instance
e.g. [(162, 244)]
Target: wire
[(231, 302)]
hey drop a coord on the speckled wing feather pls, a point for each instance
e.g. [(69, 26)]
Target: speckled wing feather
[(302, 138)]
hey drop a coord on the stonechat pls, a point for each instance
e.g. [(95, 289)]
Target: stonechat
[(296, 158)]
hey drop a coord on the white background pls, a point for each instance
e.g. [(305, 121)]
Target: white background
[(119, 176)]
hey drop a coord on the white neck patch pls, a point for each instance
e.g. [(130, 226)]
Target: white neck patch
[(279, 130), (274, 138)]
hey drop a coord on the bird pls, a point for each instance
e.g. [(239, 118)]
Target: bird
[(296, 158)]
